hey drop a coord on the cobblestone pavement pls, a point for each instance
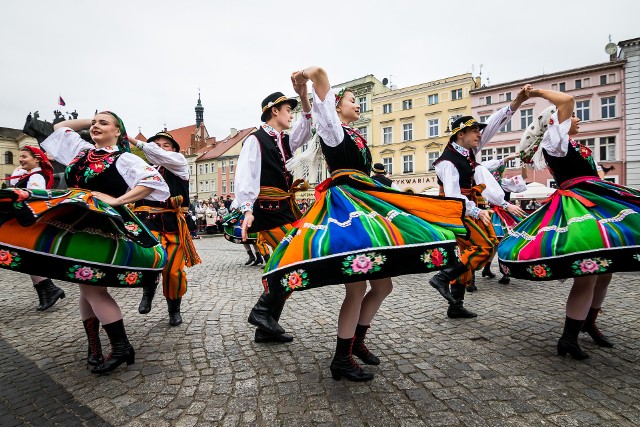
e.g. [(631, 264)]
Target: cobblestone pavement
[(498, 369)]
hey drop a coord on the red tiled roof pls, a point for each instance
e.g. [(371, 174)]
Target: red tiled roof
[(141, 137), (224, 145), (183, 136)]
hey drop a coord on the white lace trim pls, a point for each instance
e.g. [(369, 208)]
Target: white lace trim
[(390, 216)]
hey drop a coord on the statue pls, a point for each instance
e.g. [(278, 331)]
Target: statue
[(59, 117)]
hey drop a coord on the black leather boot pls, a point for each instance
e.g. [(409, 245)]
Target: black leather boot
[(121, 349), (486, 272), (441, 281), (94, 352), (262, 336), (48, 294), (251, 258), (262, 314), (590, 327), (259, 260), (457, 310), (343, 364), (175, 318), (568, 342), (148, 292), (360, 350), (472, 285), (504, 280)]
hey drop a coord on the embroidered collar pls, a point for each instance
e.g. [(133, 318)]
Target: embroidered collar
[(271, 131), (460, 149), (108, 149)]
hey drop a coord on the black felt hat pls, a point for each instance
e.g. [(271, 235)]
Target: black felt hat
[(168, 136), (273, 100), (379, 168), (462, 123)]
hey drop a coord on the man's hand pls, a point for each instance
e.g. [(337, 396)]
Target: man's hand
[(246, 223), (485, 217), (298, 80), (516, 210)]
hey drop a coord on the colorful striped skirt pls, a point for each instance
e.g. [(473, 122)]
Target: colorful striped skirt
[(359, 229), (587, 227), (69, 235), (232, 225), (503, 221)]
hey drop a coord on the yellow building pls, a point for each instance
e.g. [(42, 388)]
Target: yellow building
[(411, 126), (11, 141)]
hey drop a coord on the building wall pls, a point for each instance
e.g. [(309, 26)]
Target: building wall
[(415, 108), (630, 51), (598, 132)]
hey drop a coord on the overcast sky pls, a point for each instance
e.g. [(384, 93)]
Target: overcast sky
[(146, 60)]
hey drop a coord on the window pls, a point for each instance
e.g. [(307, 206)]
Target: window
[(503, 152), (506, 127), (607, 149), (590, 143), (200, 169), (407, 132), (456, 94), (507, 96), (407, 163), (586, 82), (578, 84), (231, 168), (434, 128), (407, 104), (611, 78), (319, 173), (224, 186), (206, 168), (483, 119), (562, 87), (582, 110), (223, 165), (363, 103), (190, 168), (433, 99), (608, 107), (603, 79), (8, 158), (232, 185), (432, 157), (386, 108), (486, 154), (363, 131), (213, 185), (388, 164), (206, 186), (213, 167), (387, 135), (201, 186), (526, 118), (488, 100), (554, 86)]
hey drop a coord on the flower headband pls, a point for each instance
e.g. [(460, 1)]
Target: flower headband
[(340, 94)]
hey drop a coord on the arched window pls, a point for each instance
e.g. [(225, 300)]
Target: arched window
[(8, 158)]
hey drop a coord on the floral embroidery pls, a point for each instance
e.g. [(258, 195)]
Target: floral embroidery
[(637, 257), (86, 274), (265, 285), (434, 258), (9, 259), (505, 270), (539, 270), (132, 228), (363, 263), (293, 280), (130, 278), (551, 122), (591, 266), (360, 142)]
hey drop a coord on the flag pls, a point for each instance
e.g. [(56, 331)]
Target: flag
[(61, 101)]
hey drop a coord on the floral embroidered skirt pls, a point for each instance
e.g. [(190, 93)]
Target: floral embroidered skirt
[(359, 229), (588, 227), (69, 235), (232, 224), (503, 220)]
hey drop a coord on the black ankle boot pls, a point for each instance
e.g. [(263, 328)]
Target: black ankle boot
[(175, 318), (259, 260), (568, 342), (590, 327), (148, 292), (472, 285), (94, 352), (504, 280), (486, 272), (441, 281), (262, 314), (262, 336), (360, 350), (121, 349), (251, 258), (343, 364), (48, 294), (457, 310)]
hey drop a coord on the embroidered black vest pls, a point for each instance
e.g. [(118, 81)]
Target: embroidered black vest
[(382, 179), (96, 170), (22, 182), (167, 222), (466, 166), (347, 155), (577, 162)]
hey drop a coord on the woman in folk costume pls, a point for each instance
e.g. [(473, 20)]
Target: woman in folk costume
[(358, 230), (36, 173), (503, 219), (588, 229), (85, 234), (168, 223)]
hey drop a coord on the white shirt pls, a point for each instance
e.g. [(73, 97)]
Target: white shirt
[(36, 181), (247, 182), (448, 173), (173, 161), (64, 145), (556, 138), (328, 123)]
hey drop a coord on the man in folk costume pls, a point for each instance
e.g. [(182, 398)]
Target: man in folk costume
[(169, 222), (265, 191), (455, 169), (380, 175)]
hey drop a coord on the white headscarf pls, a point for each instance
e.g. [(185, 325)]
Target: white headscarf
[(532, 137)]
